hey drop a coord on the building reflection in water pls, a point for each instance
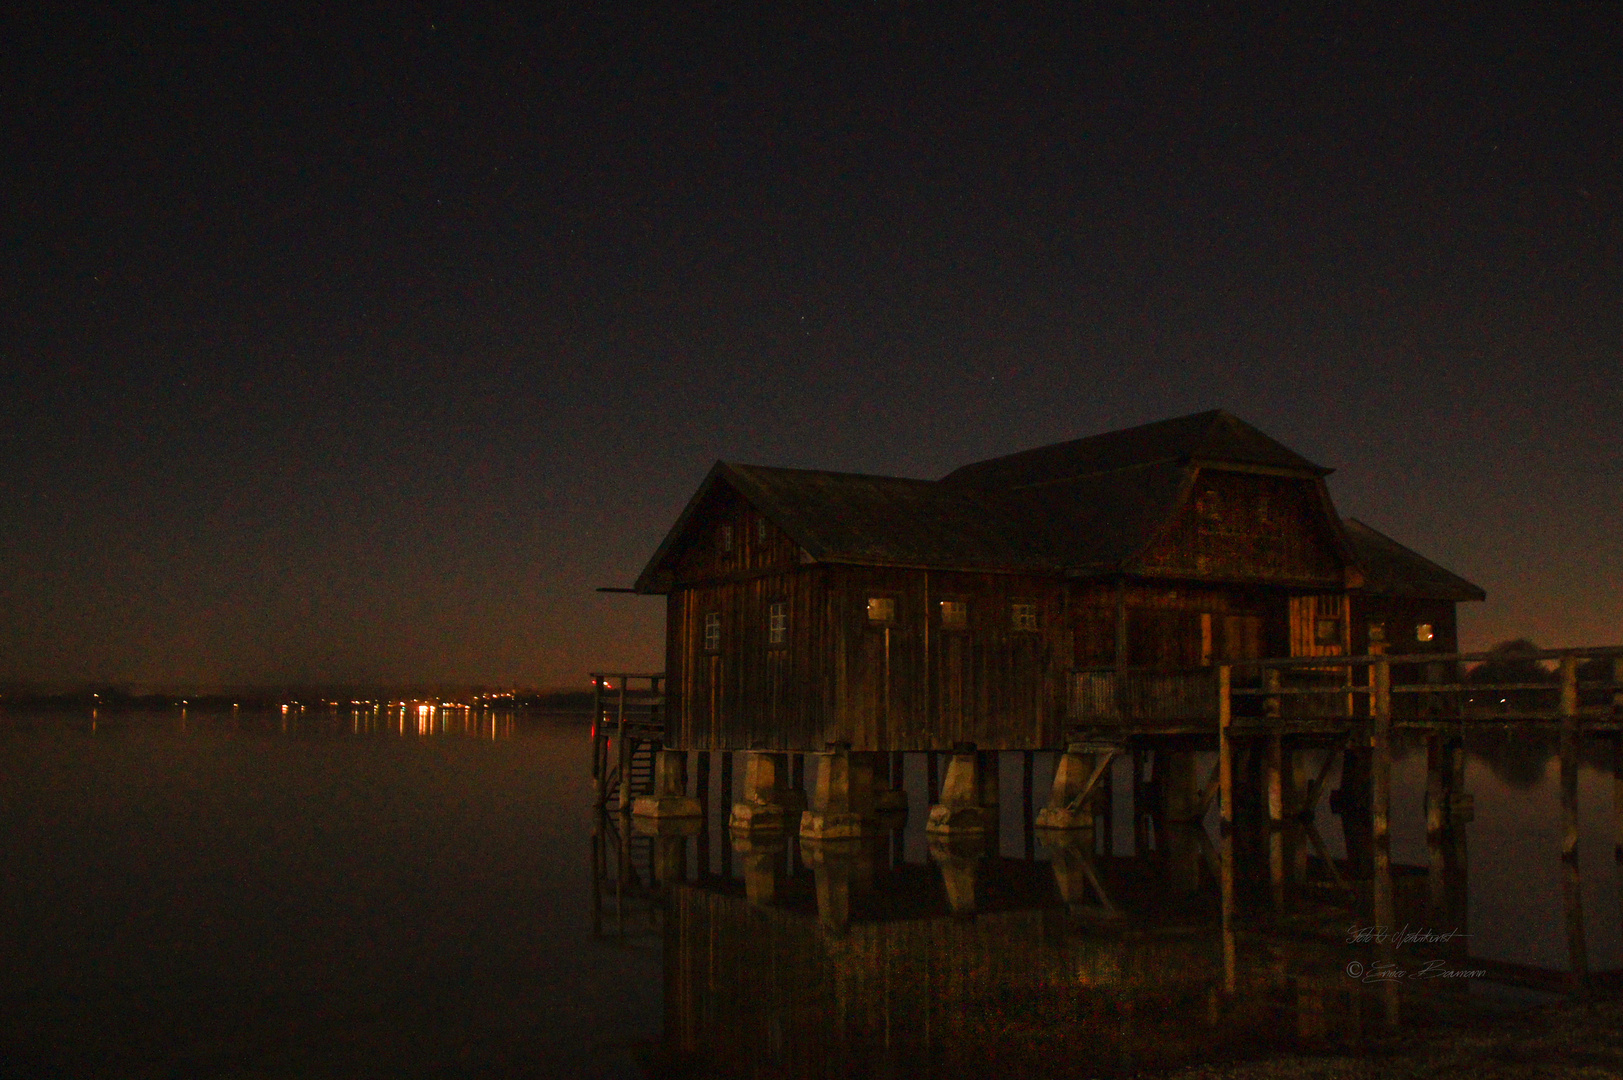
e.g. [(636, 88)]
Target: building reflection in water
[(803, 958)]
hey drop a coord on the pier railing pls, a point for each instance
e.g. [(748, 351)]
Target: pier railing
[(1547, 685), (628, 725)]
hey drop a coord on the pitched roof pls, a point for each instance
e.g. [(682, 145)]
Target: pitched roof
[(1215, 436), (1390, 569), (1087, 506)]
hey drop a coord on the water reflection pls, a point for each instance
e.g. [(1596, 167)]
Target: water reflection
[(1160, 944)]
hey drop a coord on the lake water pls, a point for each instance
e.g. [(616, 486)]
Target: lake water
[(333, 895)]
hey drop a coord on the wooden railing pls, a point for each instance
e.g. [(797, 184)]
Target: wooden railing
[(1549, 685), (628, 723)]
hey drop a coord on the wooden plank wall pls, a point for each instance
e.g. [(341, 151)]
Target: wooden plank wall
[(749, 693), (916, 685), (1248, 526)]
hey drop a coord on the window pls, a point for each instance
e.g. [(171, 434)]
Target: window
[(712, 631), (1327, 631), (954, 614), (777, 622), (1025, 615), (724, 539), (881, 609), (1423, 632), (760, 529), (1377, 631)]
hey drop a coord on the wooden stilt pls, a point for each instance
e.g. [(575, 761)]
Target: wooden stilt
[(1225, 751), (1028, 785), (932, 780), (701, 791), (1274, 781), (1385, 914)]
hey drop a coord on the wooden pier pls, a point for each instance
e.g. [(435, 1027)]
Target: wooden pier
[(1276, 729)]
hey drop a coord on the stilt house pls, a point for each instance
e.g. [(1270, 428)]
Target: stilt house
[(809, 608)]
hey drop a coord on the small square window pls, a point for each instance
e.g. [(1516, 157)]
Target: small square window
[(724, 539), (1327, 631), (712, 631), (1423, 632), (881, 609), (777, 622), (1377, 631), (1025, 616), (954, 614)]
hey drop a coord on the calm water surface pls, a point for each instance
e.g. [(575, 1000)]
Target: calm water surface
[(218, 897), (244, 896)]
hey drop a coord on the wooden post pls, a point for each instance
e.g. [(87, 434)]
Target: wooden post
[(626, 794), (599, 749), (1105, 812), (1141, 809), (1028, 786), (1274, 771), (1385, 914), (701, 791), (1271, 707), (1437, 767), (1577, 947), (1225, 751), (932, 782)]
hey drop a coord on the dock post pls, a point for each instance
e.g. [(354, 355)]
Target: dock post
[(889, 797), (764, 805), (1274, 781), (841, 799), (670, 798), (960, 809), (702, 793), (600, 763), (988, 766), (1225, 750), (1077, 775), (1577, 947), (932, 782), (1381, 819), (1437, 769), (1028, 783)]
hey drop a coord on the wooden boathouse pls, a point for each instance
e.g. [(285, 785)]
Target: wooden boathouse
[(1167, 590)]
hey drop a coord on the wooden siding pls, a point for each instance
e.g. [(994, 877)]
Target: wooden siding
[(758, 546), (916, 685), (748, 693), (1249, 527)]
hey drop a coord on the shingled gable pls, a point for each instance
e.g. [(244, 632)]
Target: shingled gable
[(1085, 507)]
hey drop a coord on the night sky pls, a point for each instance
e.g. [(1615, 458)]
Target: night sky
[(363, 347)]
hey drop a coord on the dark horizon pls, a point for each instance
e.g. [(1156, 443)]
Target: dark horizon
[(361, 347)]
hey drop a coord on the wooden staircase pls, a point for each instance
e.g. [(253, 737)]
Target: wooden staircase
[(628, 728)]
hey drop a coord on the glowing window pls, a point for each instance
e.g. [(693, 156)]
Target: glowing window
[(724, 539), (777, 622), (954, 614), (712, 631), (1377, 631), (1423, 632), (1024, 616), (881, 609)]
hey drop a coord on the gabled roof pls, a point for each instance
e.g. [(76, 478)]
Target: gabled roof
[(1215, 436), (1084, 507), (1390, 569)]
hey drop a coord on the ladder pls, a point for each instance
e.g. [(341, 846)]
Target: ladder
[(628, 728)]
